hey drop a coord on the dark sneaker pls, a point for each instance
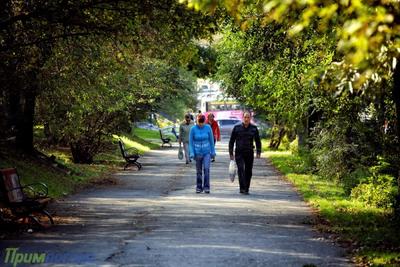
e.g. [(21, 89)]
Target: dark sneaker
[(187, 162), (198, 190), (207, 191)]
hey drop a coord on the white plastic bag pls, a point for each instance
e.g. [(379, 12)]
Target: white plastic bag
[(180, 153), (232, 170)]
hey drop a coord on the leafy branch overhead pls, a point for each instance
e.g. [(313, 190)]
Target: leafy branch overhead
[(367, 32), (66, 62)]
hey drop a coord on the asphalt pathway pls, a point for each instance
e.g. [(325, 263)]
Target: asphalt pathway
[(153, 217)]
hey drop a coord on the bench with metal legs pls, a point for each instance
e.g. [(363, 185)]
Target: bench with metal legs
[(131, 155), (25, 202), (165, 140)]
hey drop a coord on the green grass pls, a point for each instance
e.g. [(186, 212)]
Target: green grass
[(369, 229), (150, 135), (135, 139), (59, 184), (137, 142), (265, 146), (146, 134)]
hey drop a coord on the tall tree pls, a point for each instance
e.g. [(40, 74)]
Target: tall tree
[(29, 30), (367, 32), (270, 72)]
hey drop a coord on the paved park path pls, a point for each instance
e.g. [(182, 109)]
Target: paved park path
[(154, 218)]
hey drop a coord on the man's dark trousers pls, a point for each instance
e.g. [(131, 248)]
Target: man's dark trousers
[(244, 163)]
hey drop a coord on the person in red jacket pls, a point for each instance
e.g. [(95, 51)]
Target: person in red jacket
[(215, 129)]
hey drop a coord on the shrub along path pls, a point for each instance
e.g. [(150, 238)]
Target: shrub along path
[(154, 218)]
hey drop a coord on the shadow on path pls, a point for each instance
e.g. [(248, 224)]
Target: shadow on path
[(154, 218)]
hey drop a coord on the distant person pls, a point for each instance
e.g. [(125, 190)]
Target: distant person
[(215, 129), (244, 135), (201, 146), (184, 131)]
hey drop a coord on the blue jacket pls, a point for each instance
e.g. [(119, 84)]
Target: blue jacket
[(201, 141)]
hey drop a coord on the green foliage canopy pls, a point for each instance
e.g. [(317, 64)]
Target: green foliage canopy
[(31, 33), (271, 73), (367, 32)]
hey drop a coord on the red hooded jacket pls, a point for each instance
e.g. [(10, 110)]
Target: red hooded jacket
[(215, 130)]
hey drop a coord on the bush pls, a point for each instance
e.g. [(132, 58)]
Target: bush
[(378, 191), (285, 142), (349, 181), (334, 156), (294, 146)]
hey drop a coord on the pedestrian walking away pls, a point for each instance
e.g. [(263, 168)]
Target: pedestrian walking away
[(243, 137), (184, 131), (215, 129), (201, 146)]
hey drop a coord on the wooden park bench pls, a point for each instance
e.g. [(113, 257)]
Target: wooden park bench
[(131, 155), (25, 202), (165, 139)]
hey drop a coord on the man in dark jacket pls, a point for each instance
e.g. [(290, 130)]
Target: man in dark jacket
[(244, 135)]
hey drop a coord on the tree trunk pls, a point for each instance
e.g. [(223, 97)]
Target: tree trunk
[(302, 134), (12, 104), (397, 201), (81, 153), (25, 116), (282, 133), (396, 100), (271, 142), (276, 140)]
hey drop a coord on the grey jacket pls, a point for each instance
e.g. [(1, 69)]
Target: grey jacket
[(184, 130)]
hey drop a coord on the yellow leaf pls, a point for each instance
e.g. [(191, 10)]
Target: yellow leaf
[(352, 26), (328, 11), (344, 2), (296, 29), (269, 6)]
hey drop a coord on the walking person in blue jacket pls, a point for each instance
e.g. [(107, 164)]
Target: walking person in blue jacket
[(201, 147)]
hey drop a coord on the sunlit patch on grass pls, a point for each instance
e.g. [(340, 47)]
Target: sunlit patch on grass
[(130, 142)]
